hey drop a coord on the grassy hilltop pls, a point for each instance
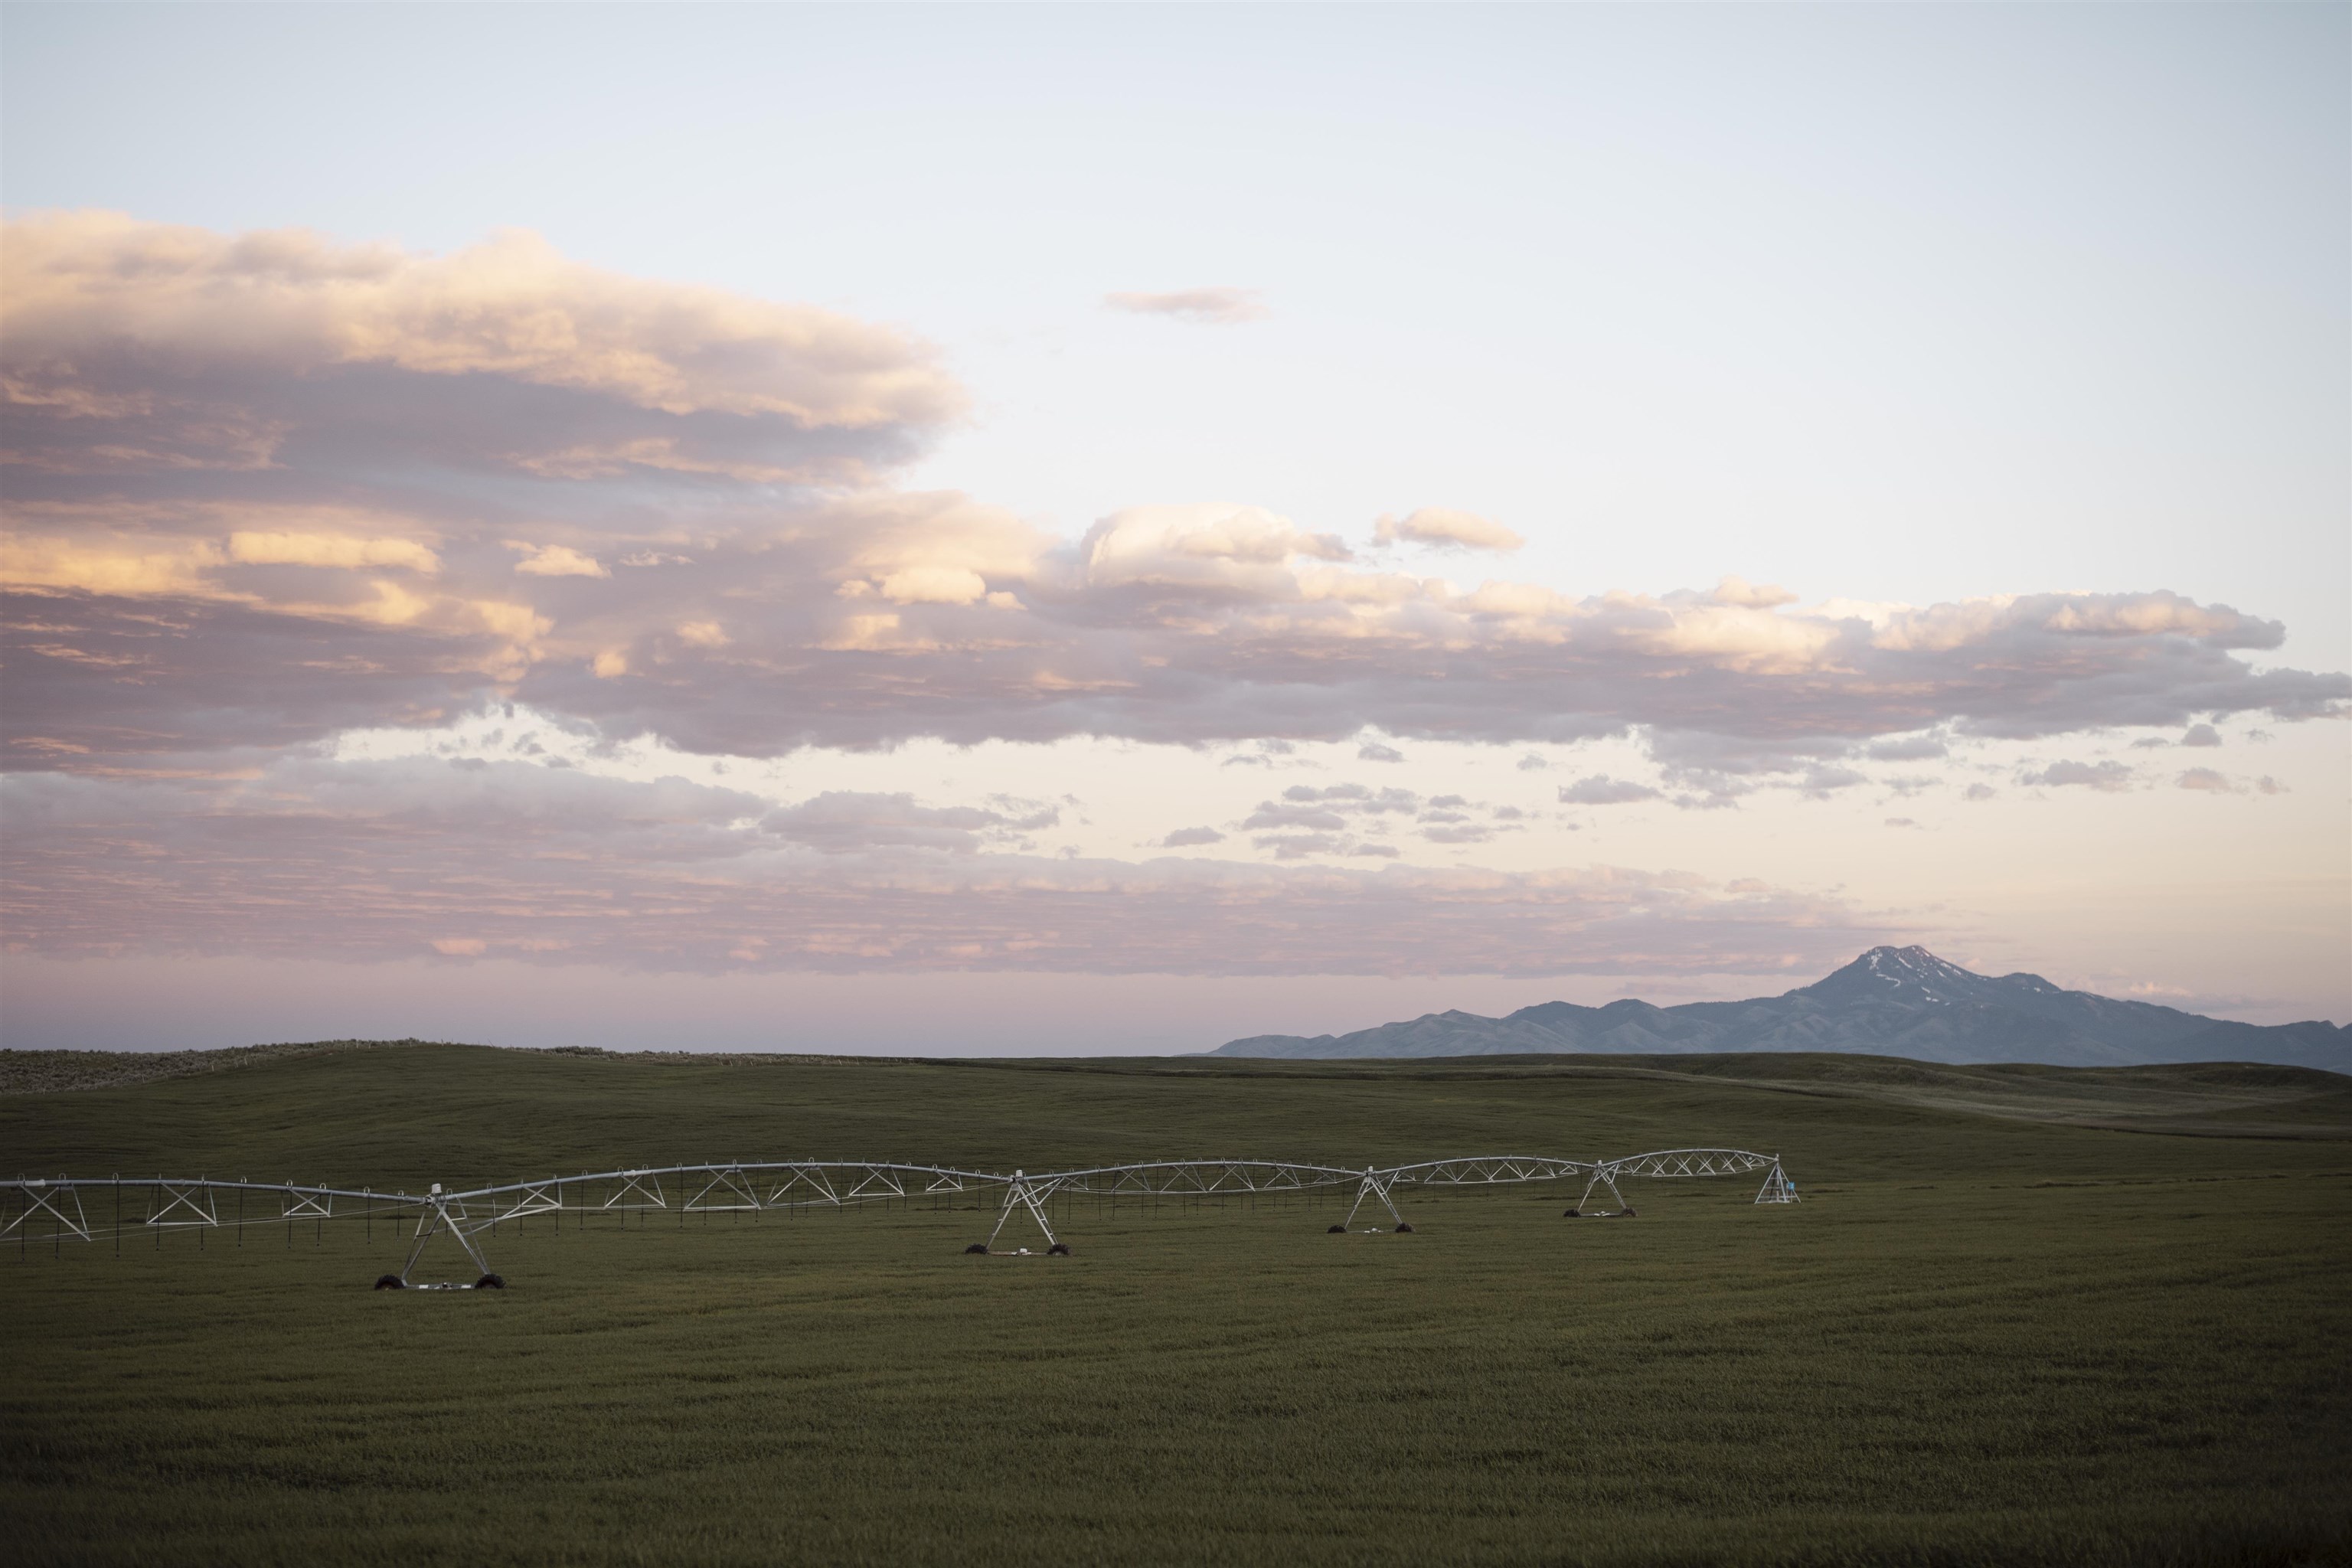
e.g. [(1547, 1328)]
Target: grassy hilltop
[(2029, 1315)]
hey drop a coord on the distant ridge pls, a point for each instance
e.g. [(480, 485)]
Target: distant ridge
[(1890, 1001)]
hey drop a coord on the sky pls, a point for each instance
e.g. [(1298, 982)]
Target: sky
[(1059, 530)]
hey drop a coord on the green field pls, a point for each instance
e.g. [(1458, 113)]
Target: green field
[(2022, 1315)]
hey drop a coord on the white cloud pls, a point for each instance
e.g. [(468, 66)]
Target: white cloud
[(1225, 547), (1740, 593), (1215, 307), (290, 302), (556, 561), (254, 549), (1446, 529)]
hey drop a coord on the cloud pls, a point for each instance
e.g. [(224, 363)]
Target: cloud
[(327, 550), (1710, 800), (867, 620), (90, 295), (1186, 838), (1299, 846), (1202, 307), (1271, 815), (1901, 822), (366, 860), (839, 822), (1821, 783), (1906, 749), (1330, 819), (2212, 780), (1747, 595), (1217, 552), (1373, 751), (1446, 530), (661, 510), (1534, 762), (2202, 735), (1978, 792), (556, 561), (1601, 790), (1355, 799), (2111, 777)]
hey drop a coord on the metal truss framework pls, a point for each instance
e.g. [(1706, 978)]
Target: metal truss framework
[(159, 1204)]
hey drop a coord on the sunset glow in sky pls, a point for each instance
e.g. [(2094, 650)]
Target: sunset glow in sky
[(1101, 530)]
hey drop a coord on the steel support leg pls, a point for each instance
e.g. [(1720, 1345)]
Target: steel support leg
[(1600, 1178), (1029, 1197), (425, 1227), (1371, 1186)]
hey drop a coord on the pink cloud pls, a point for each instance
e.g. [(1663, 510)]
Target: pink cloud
[(262, 487), (394, 859)]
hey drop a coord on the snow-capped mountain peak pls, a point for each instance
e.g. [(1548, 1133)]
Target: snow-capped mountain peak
[(1915, 964), (1904, 973)]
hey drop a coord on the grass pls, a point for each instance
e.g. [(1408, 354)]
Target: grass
[(2001, 1328)]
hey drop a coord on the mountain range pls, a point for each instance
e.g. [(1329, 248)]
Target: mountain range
[(1890, 1001)]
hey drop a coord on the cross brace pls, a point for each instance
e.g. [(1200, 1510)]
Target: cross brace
[(39, 1201)]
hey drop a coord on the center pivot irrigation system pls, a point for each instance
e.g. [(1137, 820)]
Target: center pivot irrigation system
[(55, 1211)]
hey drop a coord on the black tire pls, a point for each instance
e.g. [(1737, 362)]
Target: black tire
[(1336, 1230), (491, 1282), (1059, 1249), (1573, 1214), (1403, 1229), (977, 1249), (1628, 1214), (390, 1282)]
